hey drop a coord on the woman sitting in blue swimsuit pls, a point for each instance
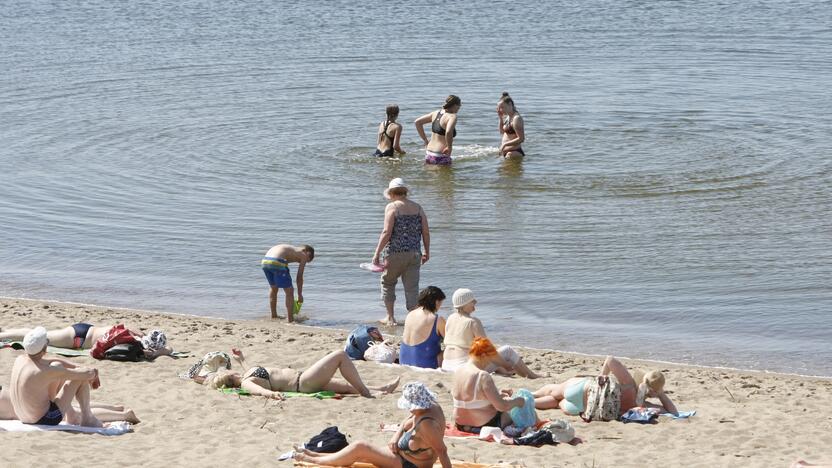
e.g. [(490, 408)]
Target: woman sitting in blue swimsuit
[(417, 444), (426, 328)]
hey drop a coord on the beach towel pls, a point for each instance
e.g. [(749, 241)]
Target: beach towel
[(50, 349), (113, 429), (681, 414), (324, 395), (640, 415), (455, 464)]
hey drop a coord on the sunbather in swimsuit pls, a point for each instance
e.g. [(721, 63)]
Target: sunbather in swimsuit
[(404, 445), (476, 403)]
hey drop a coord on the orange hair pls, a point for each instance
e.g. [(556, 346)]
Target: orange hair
[(482, 347)]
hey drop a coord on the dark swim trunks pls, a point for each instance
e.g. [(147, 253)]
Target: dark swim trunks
[(495, 422), (53, 416), (81, 330)]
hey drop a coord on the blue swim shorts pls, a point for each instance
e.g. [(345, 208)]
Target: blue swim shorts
[(277, 272)]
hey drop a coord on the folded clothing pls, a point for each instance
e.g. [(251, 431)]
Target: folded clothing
[(680, 414), (640, 415)]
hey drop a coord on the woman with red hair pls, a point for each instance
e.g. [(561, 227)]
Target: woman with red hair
[(477, 401)]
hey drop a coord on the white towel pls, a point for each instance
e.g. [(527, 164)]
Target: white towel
[(115, 428)]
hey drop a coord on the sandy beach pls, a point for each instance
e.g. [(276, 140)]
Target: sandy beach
[(743, 418)]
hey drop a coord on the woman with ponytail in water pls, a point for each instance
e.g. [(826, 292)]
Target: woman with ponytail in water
[(389, 134)]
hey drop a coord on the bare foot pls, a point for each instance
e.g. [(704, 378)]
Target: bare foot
[(390, 387), (388, 322), (131, 417), (73, 417), (91, 421)]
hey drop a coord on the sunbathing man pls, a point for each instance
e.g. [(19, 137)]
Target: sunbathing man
[(84, 336), (269, 382), (42, 390), (104, 412), (276, 267)]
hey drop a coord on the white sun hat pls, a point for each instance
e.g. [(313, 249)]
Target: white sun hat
[(398, 182)]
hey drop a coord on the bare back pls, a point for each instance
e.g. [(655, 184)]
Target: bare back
[(33, 386), (286, 252)]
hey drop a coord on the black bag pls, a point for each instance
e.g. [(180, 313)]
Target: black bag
[(125, 352), (330, 440)]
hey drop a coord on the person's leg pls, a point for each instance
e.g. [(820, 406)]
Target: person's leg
[(360, 451), (14, 334), (62, 337), (109, 415), (410, 280), (290, 303), (80, 391), (389, 279), (548, 396), (343, 387), (523, 370), (320, 374), (628, 385), (273, 301)]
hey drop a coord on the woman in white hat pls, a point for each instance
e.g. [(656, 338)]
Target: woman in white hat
[(417, 444), (405, 230), (462, 328)]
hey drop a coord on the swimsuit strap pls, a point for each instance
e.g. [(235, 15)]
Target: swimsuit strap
[(384, 131)]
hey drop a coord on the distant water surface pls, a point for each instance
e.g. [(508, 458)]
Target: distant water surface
[(674, 204)]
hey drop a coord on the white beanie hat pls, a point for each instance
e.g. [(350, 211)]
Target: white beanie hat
[(35, 341), (462, 296)]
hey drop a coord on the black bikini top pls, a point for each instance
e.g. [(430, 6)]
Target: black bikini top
[(507, 127), (384, 131), (436, 126)]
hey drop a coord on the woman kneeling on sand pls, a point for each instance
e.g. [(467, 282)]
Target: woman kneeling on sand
[(462, 328), (571, 395), (477, 402), (417, 444), (269, 382)]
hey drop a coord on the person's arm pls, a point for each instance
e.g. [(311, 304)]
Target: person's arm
[(256, 389), (449, 134), (521, 134), (397, 136), (301, 267), (77, 373), (154, 353), (64, 363), (420, 126), (500, 118), (434, 437), (497, 400), (479, 330), (386, 231), (666, 405), (425, 236), (238, 356), (440, 326)]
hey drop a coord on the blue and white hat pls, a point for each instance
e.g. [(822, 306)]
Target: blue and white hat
[(415, 395)]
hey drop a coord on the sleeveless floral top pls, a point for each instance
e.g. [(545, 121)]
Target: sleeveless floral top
[(407, 234)]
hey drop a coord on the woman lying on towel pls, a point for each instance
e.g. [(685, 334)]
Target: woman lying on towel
[(477, 402), (84, 336), (460, 330), (269, 382), (417, 444), (570, 396)]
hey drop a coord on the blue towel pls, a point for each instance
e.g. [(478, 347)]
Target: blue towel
[(681, 415), (640, 415)]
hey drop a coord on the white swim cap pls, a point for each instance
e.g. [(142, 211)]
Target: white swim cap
[(35, 341), (462, 296)]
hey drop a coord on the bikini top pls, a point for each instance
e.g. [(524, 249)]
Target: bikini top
[(436, 126), (507, 127), (259, 372), (404, 441), (473, 403), (384, 131)]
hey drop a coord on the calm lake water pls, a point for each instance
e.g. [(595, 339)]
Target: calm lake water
[(675, 203)]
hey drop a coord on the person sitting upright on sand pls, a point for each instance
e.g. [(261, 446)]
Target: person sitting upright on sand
[(42, 390), (276, 267)]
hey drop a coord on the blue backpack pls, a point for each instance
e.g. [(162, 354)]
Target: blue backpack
[(360, 339)]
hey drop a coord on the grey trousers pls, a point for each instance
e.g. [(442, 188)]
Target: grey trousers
[(405, 265)]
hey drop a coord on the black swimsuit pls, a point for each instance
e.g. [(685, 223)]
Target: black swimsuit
[(509, 129), (260, 373), (388, 152), (436, 126)]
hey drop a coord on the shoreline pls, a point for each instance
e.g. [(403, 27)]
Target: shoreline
[(346, 331), (183, 421)]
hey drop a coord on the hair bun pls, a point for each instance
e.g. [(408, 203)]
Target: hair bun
[(505, 93)]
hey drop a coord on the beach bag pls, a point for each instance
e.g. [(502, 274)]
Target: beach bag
[(603, 402), (130, 352), (562, 431), (360, 339), (330, 440), (381, 352), (211, 362), (524, 416), (114, 336)]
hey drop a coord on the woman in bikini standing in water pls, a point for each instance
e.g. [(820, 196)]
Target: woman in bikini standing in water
[(511, 128), (389, 134), (443, 132)]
